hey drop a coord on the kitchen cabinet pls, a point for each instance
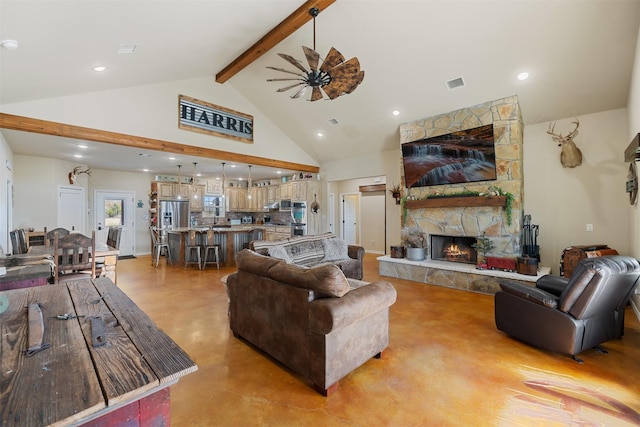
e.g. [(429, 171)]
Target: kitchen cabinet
[(165, 190), (196, 199), (183, 191), (236, 199), (285, 190), (213, 187), (272, 193)]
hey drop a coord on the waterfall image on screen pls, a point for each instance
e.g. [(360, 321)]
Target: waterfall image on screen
[(462, 156)]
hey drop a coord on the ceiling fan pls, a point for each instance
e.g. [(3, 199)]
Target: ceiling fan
[(333, 78)]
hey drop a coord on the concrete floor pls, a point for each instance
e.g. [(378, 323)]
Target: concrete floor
[(446, 364)]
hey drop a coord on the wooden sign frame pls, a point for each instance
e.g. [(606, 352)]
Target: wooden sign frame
[(203, 117)]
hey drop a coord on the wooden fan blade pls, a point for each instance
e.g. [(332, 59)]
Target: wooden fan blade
[(333, 58), (284, 89), (356, 82), (316, 94), (312, 57), (286, 71), (344, 78), (293, 61)]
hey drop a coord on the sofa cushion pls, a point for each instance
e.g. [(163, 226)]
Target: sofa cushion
[(334, 249), (325, 281), (279, 252), (247, 260), (305, 251)]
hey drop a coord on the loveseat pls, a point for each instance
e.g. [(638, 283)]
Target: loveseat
[(315, 250), (314, 320)]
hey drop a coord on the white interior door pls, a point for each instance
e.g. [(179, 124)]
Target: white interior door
[(71, 208), (350, 218), (115, 209)]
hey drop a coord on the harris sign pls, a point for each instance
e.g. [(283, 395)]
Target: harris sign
[(203, 117)]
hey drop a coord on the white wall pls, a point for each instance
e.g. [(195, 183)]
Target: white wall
[(563, 200), (36, 181), (6, 175), (151, 111), (633, 110)]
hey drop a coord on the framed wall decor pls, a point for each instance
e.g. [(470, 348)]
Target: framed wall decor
[(200, 116)]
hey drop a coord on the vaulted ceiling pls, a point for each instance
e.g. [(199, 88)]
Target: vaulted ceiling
[(579, 55)]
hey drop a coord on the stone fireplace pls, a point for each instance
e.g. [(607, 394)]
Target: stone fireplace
[(453, 248), (443, 210)]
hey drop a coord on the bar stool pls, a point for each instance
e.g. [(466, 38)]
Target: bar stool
[(191, 247), (160, 241), (209, 247)]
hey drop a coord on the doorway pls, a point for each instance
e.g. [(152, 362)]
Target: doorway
[(350, 213), (115, 209), (71, 208)]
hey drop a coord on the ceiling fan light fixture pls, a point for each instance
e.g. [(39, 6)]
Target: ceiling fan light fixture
[(330, 79)]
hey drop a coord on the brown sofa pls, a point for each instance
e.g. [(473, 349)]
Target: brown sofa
[(315, 250), (315, 321)]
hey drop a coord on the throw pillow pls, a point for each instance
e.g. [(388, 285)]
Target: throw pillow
[(335, 249), (280, 253)]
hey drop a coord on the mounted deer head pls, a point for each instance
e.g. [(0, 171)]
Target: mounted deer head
[(77, 171), (570, 156)]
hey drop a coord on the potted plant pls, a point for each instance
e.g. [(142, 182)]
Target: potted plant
[(483, 245), (395, 192)]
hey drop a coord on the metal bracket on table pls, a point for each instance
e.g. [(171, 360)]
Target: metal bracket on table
[(36, 330), (98, 332)]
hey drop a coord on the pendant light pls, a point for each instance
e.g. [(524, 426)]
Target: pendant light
[(195, 175), (179, 182), (223, 177), (249, 183)]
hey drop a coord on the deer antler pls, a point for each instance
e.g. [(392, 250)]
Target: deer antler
[(78, 170), (558, 137)]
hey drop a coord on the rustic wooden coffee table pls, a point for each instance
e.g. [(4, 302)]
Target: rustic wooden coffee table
[(73, 382)]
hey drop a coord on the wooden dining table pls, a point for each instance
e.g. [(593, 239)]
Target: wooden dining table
[(103, 250), (101, 359)]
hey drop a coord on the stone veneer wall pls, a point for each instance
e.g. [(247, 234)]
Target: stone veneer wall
[(474, 221)]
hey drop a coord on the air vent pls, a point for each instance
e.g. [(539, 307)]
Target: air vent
[(333, 122), (127, 48), (455, 83)]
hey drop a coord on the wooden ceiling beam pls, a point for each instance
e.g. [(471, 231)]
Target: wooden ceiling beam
[(280, 32), (28, 124)]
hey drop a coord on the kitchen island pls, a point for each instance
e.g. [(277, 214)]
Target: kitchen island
[(230, 238)]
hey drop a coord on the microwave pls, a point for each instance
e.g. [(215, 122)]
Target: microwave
[(285, 204)]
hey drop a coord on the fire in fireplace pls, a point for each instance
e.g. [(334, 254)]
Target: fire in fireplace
[(453, 248)]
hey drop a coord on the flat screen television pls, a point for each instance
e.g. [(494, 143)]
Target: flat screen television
[(461, 156)]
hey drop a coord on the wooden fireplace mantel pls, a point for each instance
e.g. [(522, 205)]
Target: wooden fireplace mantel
[(456, 202)]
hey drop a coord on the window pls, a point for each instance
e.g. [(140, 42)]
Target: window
[(113, 212)]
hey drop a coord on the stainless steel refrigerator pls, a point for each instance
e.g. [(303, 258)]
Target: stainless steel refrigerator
[(173, 213)]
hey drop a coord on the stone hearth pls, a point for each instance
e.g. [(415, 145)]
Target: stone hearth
[(452, 275)]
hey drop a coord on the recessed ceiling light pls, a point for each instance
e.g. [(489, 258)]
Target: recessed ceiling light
[(523, 76), (172, 158), (319, 134), (77, 156), (233, 166), (145, 170), (82, 146), (279, 172), (99, 68), (395, 112), (9, 44)]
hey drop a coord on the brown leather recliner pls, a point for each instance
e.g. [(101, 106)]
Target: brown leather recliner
[(584, 311)]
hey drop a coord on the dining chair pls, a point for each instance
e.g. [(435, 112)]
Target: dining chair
[(210, 247), (160, 241), (48, 235), (192, 246), (73, 257), (15, 243)]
